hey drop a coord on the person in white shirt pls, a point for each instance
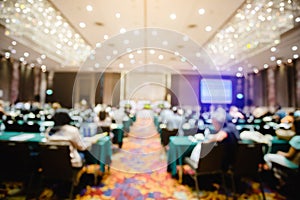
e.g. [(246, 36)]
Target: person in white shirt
[(79, 146)]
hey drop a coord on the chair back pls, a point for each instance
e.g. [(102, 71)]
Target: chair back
[(55, 161), (247, 159), (16, 163), (211, 158), (191, 131), (166, 134)]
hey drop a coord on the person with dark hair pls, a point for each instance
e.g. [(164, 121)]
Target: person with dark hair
[(79, 146)]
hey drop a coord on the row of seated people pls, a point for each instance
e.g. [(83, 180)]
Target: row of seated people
[(225, 132)]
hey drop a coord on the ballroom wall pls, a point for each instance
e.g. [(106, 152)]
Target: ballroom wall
[(277, 85)]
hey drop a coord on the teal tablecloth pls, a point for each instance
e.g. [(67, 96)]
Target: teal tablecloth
[(101, 150), (179, 147)]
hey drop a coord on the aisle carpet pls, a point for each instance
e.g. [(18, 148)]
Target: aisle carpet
[(138, 172)]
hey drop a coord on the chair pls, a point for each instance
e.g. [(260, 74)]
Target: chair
[(166, 134), (31, 126), (248, 158), (16, 162), (56, 164), (190, 131), (210, 162)]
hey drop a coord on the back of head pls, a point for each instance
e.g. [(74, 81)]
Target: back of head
[(61, 118), (219, 115)]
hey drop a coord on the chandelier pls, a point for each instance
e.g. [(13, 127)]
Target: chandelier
[(36, 23), (256, 26)]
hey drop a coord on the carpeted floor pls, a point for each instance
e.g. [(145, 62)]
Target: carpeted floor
[(138, 171)]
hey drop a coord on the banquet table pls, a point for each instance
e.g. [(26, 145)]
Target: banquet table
[(101, 150)]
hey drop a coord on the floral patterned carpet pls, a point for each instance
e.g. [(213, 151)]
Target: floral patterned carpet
[(138, 172)]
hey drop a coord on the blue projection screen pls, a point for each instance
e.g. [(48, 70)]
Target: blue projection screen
[(216, 91)]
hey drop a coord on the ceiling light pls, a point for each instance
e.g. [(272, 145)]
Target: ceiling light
[(252, 17), (14, 43), (13, 51), (297, 19), (160, 57), (208, 28), (294, 48), (7, 55), (98, 44), (43, 67), (21, 59), (131, 56), (139, 51), (121, 65), (172, 16), (82, 25), (266, 66), (255, 70), (105, 37), (89, 8), (272, 58), (132, 61), (26, 54), (118, 15), (238, 74), (289, 60), (152, 51), (276, 41), (45, 20), (165, 43), (296, 56), (97, 65), (201, 11), (279, 62), (115, 52), (273, 49), (240, 69), (122, 30)]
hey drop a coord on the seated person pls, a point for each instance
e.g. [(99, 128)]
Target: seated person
[(78, 146), (224, 133), (290, 159)]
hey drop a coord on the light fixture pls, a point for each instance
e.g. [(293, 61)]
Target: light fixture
[(118, 15), (37, 23), (201, 11), (252, 29), (82, 25), (172, 16), (294, 48), (89, 8), (208, 28)]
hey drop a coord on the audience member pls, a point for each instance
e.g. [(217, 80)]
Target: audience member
[(224, 133), (78, 146), (290, 159)]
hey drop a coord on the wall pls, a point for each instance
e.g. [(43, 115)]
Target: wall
[(111, 89), (145, 86), (70, 88), (5, 79), (185, 89)]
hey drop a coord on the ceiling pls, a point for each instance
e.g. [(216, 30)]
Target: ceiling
[(125, 36)]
